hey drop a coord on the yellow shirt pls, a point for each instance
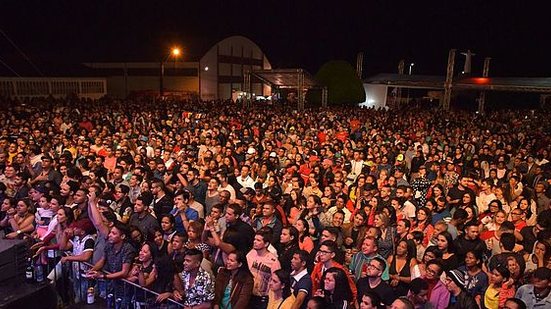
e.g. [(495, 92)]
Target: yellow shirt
[(491, 297), (280, 303)]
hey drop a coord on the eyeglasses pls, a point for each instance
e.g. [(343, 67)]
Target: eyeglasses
[(373, 266), (325, 252)]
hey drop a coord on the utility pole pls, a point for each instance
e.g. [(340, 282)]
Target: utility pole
[(449, 81)]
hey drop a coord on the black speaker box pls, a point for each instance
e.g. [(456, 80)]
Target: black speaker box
[(13, 256)]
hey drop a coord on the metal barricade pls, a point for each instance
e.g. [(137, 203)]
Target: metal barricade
[(72, 286)]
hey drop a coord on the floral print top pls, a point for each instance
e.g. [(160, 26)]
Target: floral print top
[(201, 291)]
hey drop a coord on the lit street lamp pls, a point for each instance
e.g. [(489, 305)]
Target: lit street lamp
[(174, 52), (410, 67)]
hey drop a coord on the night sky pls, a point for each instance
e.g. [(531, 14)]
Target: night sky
[(292, 33)]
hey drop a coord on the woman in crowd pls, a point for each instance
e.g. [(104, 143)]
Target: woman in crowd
[(518, 273), (401, 265), (445, 244), (234, 283), (539, 256), (167, 226), (288, 245), (313, 214), (528, 208), (500, 289), (305, 242), (492, 224), (438, 296), (386, 241), (471, 215), (423, 224), (194, 241), (402, 230), (160, 242), (64, 217), (280, 296), (467, 200), (493, 207), (143, 271), (336, 290), (296, 205), (437, 191)]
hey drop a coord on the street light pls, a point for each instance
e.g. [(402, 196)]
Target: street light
[(174, 52), (410, 67)]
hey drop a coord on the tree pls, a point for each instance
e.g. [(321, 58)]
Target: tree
[(343, 86)]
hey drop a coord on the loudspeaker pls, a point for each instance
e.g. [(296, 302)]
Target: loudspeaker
[(13, 260), (22, 296)]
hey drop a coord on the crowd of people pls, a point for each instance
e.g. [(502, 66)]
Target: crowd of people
[(210, 205)]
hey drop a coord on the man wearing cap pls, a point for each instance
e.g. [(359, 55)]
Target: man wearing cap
[(306, 168), (78, 237), (399, 174), (48, 173), (455, 283)]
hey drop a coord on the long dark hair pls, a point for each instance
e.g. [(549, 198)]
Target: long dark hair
[(342, 291), (411, 249), (294, 233), (306, 229), (285, 279), (243, 271), (449, 240)]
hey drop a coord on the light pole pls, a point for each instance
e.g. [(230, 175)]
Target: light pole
[(409, 71), (174, 52)]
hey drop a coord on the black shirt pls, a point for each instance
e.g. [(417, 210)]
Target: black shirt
[(240, 235), (384, 290)]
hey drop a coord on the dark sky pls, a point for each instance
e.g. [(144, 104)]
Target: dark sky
[(291, 33)]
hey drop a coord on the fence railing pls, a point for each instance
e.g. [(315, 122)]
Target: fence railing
[(70, 281)]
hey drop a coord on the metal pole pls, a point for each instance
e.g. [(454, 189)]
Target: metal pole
[(482, 96), (359, 64), (398, 97), (449, 80), (324, 97), (161, 78), (300, 90), (409, 71)]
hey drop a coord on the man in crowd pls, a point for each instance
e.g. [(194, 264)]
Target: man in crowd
[(262, 264)]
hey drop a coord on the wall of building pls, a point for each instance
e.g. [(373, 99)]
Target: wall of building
[(227, 61), (375, 96)]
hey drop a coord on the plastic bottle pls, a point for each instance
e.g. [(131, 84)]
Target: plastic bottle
[(39, 273), (110, 301), (118, 303)]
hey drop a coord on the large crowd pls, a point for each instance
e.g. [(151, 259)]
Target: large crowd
[(211, 205)]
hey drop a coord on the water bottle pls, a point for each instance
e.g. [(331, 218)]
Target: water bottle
[(118, 303), (90, 296), (110, 301), (29, 271), (39, 273)]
